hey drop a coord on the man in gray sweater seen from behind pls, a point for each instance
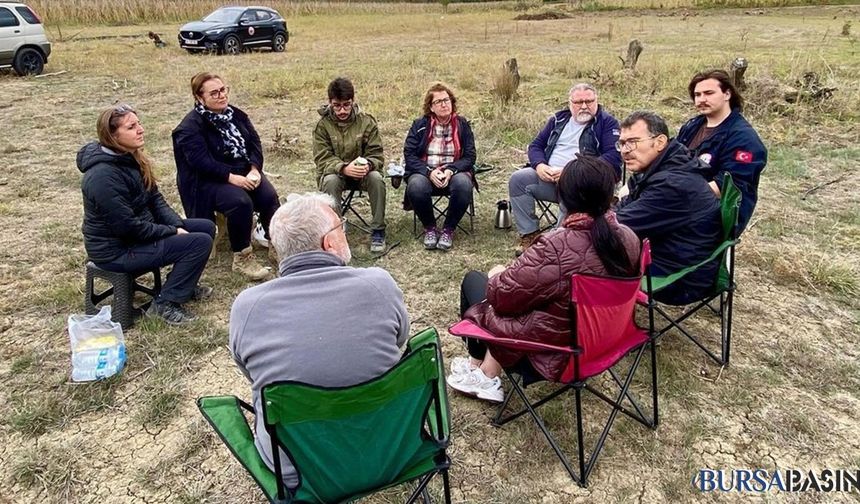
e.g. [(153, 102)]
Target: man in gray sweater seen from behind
[(320, 322)]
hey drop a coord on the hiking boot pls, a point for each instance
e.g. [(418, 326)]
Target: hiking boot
[(377, 241), (245, 263), (446, 240), (526, 241), (170, 312), (477, 384), (431, 237), (201, 292)]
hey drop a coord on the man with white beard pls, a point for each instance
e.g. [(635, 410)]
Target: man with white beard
[(583, 128), (320, 322)]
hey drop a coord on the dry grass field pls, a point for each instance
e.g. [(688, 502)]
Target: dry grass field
[(790, 399)]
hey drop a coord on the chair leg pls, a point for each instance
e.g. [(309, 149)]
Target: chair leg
[(726, 324), (616, 407), (653, 346), (421, 489), (498, 421), (580, 437), (677, 324), (123, 301), (446, 484), (549, 437)]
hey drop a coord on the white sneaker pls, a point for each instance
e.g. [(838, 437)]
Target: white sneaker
[(477, 384), (461, 365), (259, 236)]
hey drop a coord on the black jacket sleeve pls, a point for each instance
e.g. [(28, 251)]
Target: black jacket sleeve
[(660, 209), (189, 141), (411, 149), (113, 199), (161, 210)]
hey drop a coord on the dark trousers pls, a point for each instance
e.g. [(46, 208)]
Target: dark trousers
[(238, 207), (420, 192), (187, 253), (473, 290)]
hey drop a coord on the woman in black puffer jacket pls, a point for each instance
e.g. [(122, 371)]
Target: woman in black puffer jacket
[(128, 227)]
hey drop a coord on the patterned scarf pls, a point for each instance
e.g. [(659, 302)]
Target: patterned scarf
[(455, 134), (230, 134)]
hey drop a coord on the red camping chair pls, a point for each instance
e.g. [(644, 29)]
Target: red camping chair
[(602, 332)]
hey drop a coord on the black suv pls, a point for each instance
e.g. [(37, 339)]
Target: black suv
[(230, 30)]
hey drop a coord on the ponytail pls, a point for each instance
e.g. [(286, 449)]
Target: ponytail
[(587, 186)]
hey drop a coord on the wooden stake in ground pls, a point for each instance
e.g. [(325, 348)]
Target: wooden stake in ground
[(634, 49), (737, 70)]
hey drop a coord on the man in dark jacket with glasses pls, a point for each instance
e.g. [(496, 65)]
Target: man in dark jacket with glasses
[(671, 204)]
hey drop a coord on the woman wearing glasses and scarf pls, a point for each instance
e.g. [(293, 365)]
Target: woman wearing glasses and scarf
[(128, 227), (219, 168), (439, 154)]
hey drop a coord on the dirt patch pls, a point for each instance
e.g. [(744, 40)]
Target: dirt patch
[(542, 16)]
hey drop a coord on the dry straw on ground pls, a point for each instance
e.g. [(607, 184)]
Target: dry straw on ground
[(789, 399)]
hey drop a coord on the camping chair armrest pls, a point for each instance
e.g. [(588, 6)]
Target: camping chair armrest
[(468, 329), (659, 283), (225, 415)]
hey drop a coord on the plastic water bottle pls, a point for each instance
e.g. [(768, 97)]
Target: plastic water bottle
[(98, 363)]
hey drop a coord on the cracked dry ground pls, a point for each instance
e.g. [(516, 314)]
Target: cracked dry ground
[(788, 400)]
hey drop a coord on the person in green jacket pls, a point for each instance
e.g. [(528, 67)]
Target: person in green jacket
[(348, 154)]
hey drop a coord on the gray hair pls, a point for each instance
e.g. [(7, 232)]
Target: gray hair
[(583, 86), (656, 125), (300, 224)]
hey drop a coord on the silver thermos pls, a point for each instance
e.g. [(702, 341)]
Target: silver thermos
[(503, 215)]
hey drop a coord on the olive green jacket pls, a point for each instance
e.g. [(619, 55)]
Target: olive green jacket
[(336, 144)]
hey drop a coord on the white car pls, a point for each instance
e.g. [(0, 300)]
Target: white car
[(23, 44)]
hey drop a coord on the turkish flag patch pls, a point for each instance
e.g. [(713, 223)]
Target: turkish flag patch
[(742, 156)]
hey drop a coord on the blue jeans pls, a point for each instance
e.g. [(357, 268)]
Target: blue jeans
[(188, 253), (524, 187)]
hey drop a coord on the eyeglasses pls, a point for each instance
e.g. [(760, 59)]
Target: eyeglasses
[(441, 101), (341, 106), (215, 93), (631, 144), (579, 103), (341, 225)]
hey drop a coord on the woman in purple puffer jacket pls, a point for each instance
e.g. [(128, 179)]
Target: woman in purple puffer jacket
[(529, 300)]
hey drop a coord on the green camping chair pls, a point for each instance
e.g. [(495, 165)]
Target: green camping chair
[(348, 442), (724, 284)]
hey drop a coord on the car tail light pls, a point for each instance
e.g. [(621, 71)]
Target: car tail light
[(35, 15)]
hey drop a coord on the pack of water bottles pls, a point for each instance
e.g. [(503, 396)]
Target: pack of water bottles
[(98, 346)]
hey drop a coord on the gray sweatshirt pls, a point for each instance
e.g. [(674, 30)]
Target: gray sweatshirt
[(321, 323)]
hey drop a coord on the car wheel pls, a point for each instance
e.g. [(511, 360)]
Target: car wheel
[(29, 61), (231, 45), (279, 43)]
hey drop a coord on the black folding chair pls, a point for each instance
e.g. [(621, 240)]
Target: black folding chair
[(346, 206), (546, 212)]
